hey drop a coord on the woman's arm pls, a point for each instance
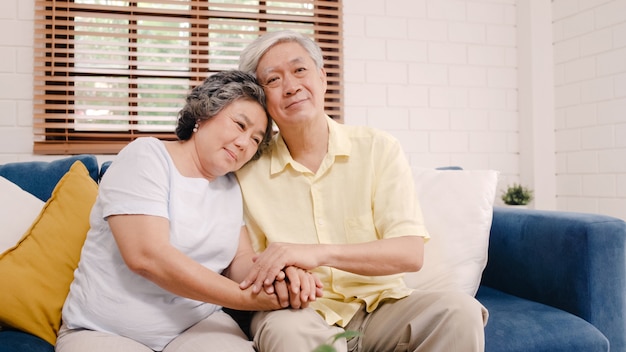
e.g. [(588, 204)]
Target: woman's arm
[(243, 260), (143, 242)]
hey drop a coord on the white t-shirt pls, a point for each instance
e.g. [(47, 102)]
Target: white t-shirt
[(205, 221)]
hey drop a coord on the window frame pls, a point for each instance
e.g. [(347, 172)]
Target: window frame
[(57, 78)]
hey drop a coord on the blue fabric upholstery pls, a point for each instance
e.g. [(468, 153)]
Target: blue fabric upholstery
[(519, 325), (571, 261), (40, 177), (17, 341), (452, 168), (103, 168)]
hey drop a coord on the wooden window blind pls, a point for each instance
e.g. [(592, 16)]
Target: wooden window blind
[(107, 71)]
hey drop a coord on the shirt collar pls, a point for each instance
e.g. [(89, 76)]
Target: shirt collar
[(339, 144)]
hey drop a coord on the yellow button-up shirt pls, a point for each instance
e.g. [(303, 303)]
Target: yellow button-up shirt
[(363, 191)]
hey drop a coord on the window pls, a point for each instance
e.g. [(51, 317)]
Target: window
[(109, 71)]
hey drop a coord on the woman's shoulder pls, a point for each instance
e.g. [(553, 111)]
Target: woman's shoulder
[(144, 146), (146, 142), (142, 152)]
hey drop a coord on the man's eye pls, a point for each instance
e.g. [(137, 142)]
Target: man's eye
[(272, 82)]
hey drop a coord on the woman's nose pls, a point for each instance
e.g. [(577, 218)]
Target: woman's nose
[(242, 141)]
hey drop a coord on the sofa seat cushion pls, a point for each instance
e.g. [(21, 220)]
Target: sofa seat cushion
[(516, 324), (17, 341)]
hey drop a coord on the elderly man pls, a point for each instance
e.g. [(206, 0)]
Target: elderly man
[(339, 201)]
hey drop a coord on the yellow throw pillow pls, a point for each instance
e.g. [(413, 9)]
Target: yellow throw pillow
[(35, 275)]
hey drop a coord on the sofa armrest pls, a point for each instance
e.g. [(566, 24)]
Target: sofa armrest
[(572, 261)]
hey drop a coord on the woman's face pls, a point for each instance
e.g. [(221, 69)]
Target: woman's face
[(228, 140)]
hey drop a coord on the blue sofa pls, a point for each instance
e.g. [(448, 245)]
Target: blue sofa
[(554, 281)]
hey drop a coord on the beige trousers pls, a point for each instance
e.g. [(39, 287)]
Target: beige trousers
[(217, 333), (424, 322)]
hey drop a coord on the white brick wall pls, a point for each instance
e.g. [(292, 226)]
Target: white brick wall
[(440, 75), (16, 80), (590, 79), (443, 76)]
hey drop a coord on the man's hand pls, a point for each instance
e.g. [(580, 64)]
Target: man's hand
[(269, 264)]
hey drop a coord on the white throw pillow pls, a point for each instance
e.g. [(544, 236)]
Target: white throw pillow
[(458, 208), (18, 210)]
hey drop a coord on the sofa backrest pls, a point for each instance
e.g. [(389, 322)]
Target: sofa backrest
[(40, 177)]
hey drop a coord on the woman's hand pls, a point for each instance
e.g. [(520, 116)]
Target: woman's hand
[(296, 288), (260, 301)]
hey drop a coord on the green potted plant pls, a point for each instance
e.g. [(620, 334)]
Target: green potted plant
[(348, 334), (517, 195)]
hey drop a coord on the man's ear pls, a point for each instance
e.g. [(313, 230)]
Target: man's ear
[(324, 78)]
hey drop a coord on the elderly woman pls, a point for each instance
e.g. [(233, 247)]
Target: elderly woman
[(166, 238)]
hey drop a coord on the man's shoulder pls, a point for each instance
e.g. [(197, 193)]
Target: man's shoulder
[(255, 166)]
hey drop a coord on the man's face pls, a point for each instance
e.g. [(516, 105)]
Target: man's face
[(294, 87)]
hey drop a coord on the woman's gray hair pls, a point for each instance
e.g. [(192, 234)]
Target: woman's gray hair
[(214, 94), (250, 56)]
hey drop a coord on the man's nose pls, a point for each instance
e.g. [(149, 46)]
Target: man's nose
[(290, 85)]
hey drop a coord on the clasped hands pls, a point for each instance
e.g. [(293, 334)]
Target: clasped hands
[(283, 269)]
